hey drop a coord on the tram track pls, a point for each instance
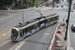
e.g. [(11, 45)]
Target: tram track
[(7, 43), (40, 40), (12, 45)]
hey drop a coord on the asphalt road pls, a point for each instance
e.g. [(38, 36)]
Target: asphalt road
[(7, 22), (71, 33), (39, 40)]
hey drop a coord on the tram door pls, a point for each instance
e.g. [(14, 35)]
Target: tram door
[(36, 26), (21, 35), (42, 24), (47, 22)]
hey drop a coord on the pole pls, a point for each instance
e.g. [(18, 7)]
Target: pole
[(22, 13), (68, 19), (39, 13)]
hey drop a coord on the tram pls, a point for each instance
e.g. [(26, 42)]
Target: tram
[(20, 31)]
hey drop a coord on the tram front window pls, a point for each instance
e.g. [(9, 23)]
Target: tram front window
[(13, 33)]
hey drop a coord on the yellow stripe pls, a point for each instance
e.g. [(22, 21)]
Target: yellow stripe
[(13, 38), (28, 26), (3, 34), (52, 22)]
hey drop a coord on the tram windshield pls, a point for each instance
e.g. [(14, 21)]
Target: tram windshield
[(13, 33)]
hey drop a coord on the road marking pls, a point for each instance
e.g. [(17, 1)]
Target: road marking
[(68, 40), (46, 34), (5, 43), (21, 44), (3, 34)]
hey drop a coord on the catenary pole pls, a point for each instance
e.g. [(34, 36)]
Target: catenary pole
[(22, 13), (70, 1)]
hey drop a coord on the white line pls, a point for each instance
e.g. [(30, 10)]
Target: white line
[(20, 45), (5, 43), (68, 44), (46, 34), (53, 39)]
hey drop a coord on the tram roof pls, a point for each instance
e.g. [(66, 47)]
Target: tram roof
[(31, 21)]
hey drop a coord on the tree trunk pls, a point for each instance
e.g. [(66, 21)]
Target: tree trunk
[(33, 2), (15, 3)]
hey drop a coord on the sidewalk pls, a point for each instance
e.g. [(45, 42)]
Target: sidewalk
[(44, 8), (58, 42)]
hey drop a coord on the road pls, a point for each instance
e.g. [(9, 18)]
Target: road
[(42, 41), (39, 40), (71, 33)]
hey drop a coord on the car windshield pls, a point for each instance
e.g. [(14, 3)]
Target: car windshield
[(13, 33)]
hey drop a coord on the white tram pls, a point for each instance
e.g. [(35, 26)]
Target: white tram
[(19, 32)]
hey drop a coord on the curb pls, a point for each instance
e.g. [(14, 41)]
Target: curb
[(50, 46), (68, 44)]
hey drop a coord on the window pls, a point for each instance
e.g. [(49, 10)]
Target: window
[(36, 25), (56, 18), (32, 27), (28, 29), (21, 33), (24, 31), (42, 22), (51, 19), (14, 33), (48, 20)]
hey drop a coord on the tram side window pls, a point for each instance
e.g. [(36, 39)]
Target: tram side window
[(21, 33), (42, 22), (56, 18), (51, 19), (36, 25), (48, 20), (32, 27), (28, 29), (24, 31)]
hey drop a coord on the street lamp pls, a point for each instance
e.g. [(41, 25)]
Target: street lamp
[(68, 19)]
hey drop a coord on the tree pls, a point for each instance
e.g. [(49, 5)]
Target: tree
[(33, 2), (15, 2)]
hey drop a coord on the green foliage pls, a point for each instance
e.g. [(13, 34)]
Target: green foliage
[(36, 1), (58, 2), (5, 3), (68, 1)]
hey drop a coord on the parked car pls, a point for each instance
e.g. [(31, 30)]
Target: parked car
[(62, 5), (58, 5), (43, 4), (40, 5), (37, 6), (47, 4), (73, 27)]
